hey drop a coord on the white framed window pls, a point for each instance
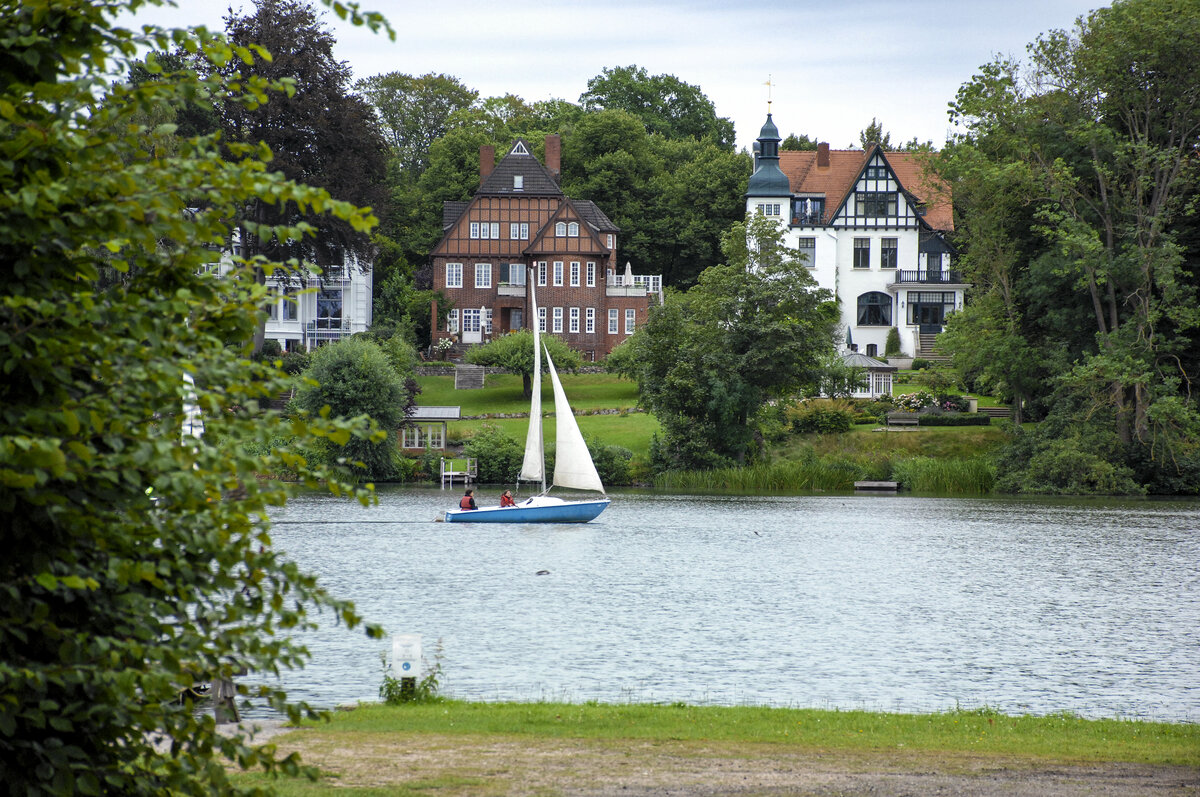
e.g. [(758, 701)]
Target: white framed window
[(495, 231), (273, 305), (471, 319), (808, 251), (630, 321), (589, 320), (452, 321), (573, 321), (541, 268), (412, 437), (541, 319), (573, 230), (291, 305), (518, 182), (574, 273), (516, 273), (514, 231), (454, 275), (474, 229), (524, 231), (487, 321), (612, 241), (483, 275), (558, 318), (613, 322), (560, 230), (558, 272), (591, 275), (769, 209), (862, 252), (889, 250)]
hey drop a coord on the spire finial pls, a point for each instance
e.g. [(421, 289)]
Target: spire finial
[(770, 85)]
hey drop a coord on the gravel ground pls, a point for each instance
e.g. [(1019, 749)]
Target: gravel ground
[(473, 765)]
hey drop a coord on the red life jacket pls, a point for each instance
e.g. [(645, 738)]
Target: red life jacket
[(466, 502)]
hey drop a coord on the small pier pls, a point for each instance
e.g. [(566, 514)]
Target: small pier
[(464, 470), (876, 487)]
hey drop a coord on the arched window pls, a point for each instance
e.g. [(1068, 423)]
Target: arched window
[(573, 230), (875, 310), (560, 229)]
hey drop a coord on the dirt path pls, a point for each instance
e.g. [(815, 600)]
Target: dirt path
[(482, 766)]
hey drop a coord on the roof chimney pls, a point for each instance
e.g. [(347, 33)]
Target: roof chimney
[(554, 156), (823, 155), (487, 160)]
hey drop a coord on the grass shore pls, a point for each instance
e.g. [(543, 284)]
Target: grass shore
[(462, 732)]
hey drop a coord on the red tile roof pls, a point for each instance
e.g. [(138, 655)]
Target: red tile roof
[(837, 179)]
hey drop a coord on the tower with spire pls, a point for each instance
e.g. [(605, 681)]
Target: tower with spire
[(769, 191)]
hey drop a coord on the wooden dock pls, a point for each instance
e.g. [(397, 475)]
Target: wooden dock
[(876, 487)]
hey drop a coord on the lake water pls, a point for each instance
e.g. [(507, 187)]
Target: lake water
[(895, 603)]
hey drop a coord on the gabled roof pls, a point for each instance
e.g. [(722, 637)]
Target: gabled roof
[(594, 216), (856, 360), (536, 180), (836, 181), (452, 212), (567, 211)]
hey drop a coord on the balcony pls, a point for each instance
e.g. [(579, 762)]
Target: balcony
[(507, 289), (925, 277), (807, 219), (633, 284)]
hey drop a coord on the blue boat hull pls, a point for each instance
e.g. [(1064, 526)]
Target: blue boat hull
[(550, 512)]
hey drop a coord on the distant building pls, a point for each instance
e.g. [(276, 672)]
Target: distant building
[(520, 223), (872, 224)]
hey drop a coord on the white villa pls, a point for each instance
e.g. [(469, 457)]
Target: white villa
[(873, 225)]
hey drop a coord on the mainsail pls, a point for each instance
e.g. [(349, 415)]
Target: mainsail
[(533, 469), (573, 466)]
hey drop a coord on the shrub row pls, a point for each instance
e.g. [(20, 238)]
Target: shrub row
[(955, 419)]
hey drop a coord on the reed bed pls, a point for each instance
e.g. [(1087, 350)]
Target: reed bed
[(960, 475)]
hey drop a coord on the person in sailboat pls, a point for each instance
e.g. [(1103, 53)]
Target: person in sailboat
[(468, 500), (507, 499)]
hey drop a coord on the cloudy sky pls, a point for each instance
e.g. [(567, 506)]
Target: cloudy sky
[(833, 65)]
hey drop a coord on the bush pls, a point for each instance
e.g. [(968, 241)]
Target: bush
[(892, 347), (499, 455), (954, 419), (914, 402), (919, 363), (822, 416), (295, 362), (612, 462)]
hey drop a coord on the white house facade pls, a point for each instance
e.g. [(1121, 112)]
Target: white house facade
[(309, 312), (873, 225)]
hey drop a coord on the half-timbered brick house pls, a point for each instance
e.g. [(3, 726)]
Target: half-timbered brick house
[(518, 227)]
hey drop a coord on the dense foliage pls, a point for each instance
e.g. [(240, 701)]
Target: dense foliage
[(355, 377), (750, 330), (134, 566), (1076, 186)]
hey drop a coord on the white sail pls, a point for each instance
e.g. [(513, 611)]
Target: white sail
[(573, 466), (533, 469)]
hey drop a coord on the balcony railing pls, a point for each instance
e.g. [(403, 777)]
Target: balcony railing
[(811, 219), (508, 289), (924, 277), (649, 283)]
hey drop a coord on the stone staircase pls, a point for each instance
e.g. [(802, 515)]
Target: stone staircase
[(927, 348), (468, 377), (996, 412)]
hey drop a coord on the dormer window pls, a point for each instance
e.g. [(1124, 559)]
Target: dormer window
[(573, 230), (560, 229), (877, 172), (518, 182)]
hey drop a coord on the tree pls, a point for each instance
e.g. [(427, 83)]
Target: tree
[(1098, 135), (134, 566), (415, 111), (753, 329), (355, 378), (875, 134), (663, 103), (317, 132), (800, 143), (514, 353)]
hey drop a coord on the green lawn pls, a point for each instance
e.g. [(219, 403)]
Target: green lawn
[(633, 431), (502, 393)]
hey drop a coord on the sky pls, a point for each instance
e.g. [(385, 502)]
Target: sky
[(832, 66)]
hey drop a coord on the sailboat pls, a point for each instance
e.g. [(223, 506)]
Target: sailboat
[(573, 466)]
